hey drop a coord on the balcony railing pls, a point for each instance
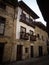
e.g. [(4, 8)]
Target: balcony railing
[(27, 21), (32, 37), (24, 36)]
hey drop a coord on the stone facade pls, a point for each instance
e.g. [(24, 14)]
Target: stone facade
[(42, 37), (7, 39), (16, 48)]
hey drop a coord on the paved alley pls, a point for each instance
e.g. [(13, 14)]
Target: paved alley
[(34, 61)]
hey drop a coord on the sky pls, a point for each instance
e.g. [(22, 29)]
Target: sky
[(33, 5)]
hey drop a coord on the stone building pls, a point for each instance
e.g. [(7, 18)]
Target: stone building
[(40, 48), (7, 29), (18, 33), (24, 32), (47, 41)]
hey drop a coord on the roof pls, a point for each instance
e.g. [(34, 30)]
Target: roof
[(28, 10), (41, 26)]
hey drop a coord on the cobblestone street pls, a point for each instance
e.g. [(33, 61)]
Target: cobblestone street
[(34, 61)]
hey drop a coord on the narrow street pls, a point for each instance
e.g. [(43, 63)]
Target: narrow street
[(34, 61)]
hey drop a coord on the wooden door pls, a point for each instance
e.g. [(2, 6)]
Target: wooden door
[(19, 52), (31, 51), (40, 51), (1, 51)]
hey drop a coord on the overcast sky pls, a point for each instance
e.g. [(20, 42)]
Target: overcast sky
[(33, 5)]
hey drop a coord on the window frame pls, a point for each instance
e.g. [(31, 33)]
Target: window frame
[(2, 21), (22, 28), (38, 36), (42, 37), (26, 50), (31, 32)]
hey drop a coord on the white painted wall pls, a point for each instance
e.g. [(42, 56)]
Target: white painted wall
[(19, 24)]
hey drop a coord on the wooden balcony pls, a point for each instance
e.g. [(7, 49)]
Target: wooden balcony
[(27, 21), (24, 36), (32, 37)]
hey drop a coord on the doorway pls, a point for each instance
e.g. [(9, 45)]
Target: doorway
[(31, 51), (1, 51), (19, 52), (40, 51), (48, 50)]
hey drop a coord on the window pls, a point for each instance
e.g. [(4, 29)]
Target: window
[(23, 13), (23, 34), (42, 38), (2, 25), (23, 29), (26, 50), (23, 16), (38, 36), (30, 20), (31, 32)]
